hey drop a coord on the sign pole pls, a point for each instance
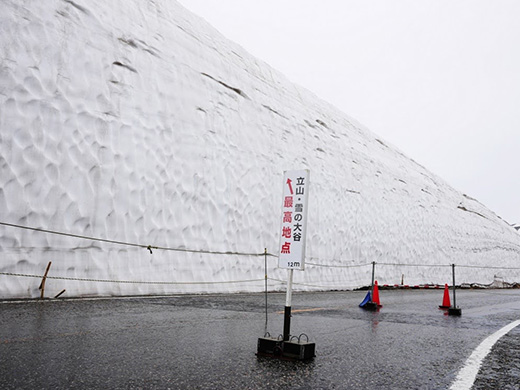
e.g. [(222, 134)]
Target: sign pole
[(454, 310), (454, 298), (288, 304), (265, 269), (373, 274)]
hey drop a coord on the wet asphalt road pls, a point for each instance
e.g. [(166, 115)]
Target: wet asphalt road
[(209, 342)]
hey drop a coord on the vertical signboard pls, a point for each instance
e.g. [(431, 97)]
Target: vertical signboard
[(294, 219)]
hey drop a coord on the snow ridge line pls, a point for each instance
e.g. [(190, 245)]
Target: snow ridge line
[(468, 373)]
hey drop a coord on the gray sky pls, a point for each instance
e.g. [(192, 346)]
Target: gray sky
[(439, 79)]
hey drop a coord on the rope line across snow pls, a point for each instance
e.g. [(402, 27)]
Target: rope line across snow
[(148, 247), (231, 253), (127, 281)]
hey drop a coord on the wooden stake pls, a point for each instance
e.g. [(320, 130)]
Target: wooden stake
[(42, 284)]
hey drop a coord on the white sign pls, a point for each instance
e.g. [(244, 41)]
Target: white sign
[(294, 219)]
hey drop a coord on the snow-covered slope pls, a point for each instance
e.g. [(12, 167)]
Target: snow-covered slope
[(136, 121)]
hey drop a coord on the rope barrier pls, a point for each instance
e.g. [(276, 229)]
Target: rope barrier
[(488, 267), (411, 265), (302, 284), (232, 253), (449, 265), (128, 281), (338, 266), (148, 247), (415, 265)]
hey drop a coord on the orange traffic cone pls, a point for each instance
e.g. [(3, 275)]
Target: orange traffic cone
[(375, 295), (446, 300)]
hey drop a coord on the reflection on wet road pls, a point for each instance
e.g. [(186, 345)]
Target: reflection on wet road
[(209, 342)]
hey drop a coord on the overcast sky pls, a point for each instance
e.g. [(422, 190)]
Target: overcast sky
[(439, 79)]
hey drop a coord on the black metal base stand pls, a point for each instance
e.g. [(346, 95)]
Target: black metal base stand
[(454, 311), (285, 350)]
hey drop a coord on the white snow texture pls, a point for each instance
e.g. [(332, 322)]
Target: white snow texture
[(136, 121)]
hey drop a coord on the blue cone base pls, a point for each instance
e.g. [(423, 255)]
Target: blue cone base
[(368, 298)]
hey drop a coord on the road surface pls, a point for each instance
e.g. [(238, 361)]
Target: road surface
[(209, 342)]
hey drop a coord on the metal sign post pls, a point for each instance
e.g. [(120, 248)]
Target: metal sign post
[(454, 310), (288, 304), (265, 271), (373, 276)]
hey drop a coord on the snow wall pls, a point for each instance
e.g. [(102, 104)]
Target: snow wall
[(137, 122)]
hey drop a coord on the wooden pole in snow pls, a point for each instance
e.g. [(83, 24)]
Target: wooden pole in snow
[(42, 284)]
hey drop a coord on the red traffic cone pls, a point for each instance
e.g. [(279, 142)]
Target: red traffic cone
[(446, 300), (375, 295)]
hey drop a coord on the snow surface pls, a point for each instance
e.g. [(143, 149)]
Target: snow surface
[(138, 122)]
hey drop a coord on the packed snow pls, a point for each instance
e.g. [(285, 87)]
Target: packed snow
[(137, 122)]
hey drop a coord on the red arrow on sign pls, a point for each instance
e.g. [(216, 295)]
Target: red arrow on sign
[(290, 187)]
